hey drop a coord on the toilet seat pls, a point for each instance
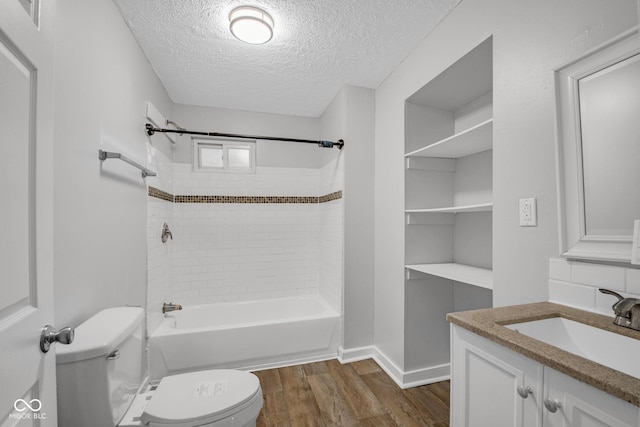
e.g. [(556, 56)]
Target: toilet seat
[(199, 398)]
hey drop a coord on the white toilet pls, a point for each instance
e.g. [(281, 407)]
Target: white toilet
[(100, 383)]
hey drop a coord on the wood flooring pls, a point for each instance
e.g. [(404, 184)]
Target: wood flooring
[(355, 394)]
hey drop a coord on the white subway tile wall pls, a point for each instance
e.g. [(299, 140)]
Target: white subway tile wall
[(163, 167), (568, 293), (598, 276), (576, 284), (159, 255), (331, 177), (230, 252), (159, 261), (331, 235), (246, 251)]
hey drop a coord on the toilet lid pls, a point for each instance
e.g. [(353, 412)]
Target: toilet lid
[(202, 396)]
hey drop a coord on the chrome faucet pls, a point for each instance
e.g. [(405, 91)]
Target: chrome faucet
[(170, 307), (627, 310)]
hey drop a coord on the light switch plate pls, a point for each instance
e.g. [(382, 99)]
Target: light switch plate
[(528, 214), (635, 248)]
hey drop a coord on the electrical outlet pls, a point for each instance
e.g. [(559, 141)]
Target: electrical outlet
[(528, 215)]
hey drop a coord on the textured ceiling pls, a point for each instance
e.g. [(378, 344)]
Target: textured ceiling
[(318, 46)]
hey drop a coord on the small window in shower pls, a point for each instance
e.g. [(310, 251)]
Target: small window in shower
[(211, 156), (223, 155), (239, 157)]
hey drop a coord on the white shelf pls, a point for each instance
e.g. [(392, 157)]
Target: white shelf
[(481, 207), (481, 277), (471, 141)]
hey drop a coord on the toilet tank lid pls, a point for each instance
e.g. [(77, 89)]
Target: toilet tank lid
[(100, 334)]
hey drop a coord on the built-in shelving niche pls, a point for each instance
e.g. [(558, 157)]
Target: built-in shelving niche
[(448, 203)]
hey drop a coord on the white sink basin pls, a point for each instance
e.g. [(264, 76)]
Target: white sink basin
[(606, 348)]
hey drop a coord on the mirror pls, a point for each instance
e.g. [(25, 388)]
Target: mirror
[(610, 127), (598, 114)]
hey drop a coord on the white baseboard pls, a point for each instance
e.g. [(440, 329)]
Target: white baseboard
[(355, 354), (288, 362), (428, 375), (388, 366)]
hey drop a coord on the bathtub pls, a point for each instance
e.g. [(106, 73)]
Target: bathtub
[(244, 335)]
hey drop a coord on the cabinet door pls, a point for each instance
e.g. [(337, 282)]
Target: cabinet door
[(484, 384), (584, 406)]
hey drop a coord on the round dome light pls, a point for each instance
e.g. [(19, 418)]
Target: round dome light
[(251, 25)]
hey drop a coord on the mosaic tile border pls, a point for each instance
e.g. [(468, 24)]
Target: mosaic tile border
[(245, 199), (330, 197), (159, 194)]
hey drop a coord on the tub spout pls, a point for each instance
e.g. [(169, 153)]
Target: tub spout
[(170, 307)]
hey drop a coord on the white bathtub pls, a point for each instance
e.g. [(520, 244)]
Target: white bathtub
[(245, 335)]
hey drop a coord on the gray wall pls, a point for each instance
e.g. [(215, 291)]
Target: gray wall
[(359, 219), (351, 116), (102, 84), (529, 40)]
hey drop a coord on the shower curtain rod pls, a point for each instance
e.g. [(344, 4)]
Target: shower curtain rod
[(324, 144)]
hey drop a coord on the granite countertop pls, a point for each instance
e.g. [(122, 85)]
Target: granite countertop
[(488, 324)]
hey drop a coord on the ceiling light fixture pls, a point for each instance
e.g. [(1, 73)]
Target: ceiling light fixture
[(251, 25)]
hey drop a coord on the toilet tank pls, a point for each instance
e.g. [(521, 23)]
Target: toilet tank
[(99, 373)]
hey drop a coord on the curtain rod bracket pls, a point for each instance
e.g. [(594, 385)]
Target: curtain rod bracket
[(150, 130)]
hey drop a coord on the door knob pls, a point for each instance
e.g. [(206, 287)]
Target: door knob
[(523, 391), (552, 405), (49, 336)]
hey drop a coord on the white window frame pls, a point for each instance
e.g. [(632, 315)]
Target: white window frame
[(225, 144)]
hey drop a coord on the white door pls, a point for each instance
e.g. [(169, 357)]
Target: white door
[(27, 375)]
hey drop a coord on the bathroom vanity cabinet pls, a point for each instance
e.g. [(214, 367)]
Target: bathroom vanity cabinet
[(492, 385)]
